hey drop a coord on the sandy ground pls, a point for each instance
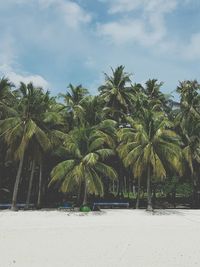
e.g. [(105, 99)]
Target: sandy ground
[(115, 238)]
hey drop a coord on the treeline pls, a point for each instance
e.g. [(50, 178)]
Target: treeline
[(129, 140)]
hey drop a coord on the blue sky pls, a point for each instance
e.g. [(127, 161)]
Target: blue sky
[(57, 42)]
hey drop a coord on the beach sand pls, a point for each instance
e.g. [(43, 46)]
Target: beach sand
[(113, 238)]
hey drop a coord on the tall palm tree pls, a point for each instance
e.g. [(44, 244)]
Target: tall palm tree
[(149, 146), (118, 97), (188, 125), (190, 99), (88, 148), (191, 153), (156, 98), (6, 102), (26, 125), (117, 93), (5, 90), (7, 98), (55, 124), (73, 100), (92, 110)]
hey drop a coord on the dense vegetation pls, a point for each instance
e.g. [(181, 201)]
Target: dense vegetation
[(129, 141)]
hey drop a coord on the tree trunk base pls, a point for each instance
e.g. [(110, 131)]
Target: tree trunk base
[(137, 206), (149, 208), (14, 208)]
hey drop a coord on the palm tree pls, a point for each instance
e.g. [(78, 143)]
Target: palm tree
[(190, 100), (155, 97), (5, 90), (117, 93), (118, 96), (191, 153), (88, 148), (7, 98), (73, 100), (75, 96), (149, 146), (6, 101), (27, 125), (188, 125), (55, 124)]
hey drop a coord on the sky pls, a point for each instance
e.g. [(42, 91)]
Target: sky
[(56, 42)]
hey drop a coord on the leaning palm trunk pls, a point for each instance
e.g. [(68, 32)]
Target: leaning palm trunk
[(149, 199), (138, 195), (16, 186), (85, 194), (40, 187), (30, 185)]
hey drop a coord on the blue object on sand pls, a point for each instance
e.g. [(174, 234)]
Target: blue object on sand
[(19, 205), (110, 204), (66, 206)]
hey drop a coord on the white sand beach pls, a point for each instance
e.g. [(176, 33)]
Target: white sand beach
[(169, 238)]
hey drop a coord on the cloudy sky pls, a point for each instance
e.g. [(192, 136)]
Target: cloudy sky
[(55, 42)]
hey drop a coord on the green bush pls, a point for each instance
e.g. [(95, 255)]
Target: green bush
[(85, 209)]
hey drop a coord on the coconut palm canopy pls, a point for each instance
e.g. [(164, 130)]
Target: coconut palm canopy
[(129, 135)]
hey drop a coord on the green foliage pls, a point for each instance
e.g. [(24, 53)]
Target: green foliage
[(82, 141), (184, 189), (85, 209), (86, 163), (116, 93), (171, 185), (175, 184), (150, 141)]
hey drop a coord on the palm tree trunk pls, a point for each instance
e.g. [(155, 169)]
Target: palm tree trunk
[(194, 200), (174, 197), (79, 194), (121, 180), (16, 186), (113, 187), (117, 186), (30, 185), (149, 200), (138, 195), (40, 187), (85, 194), (125, 184), (128, 186)]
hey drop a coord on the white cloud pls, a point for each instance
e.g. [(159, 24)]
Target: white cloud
[(123, 31), (134, 30), (191, 50), (120, 6), (9, 68), (59, 36), (16, 78), (148, 29), (73, 14), (67, 13)]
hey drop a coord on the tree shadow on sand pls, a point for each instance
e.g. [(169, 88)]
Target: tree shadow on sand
[(168, 212)]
